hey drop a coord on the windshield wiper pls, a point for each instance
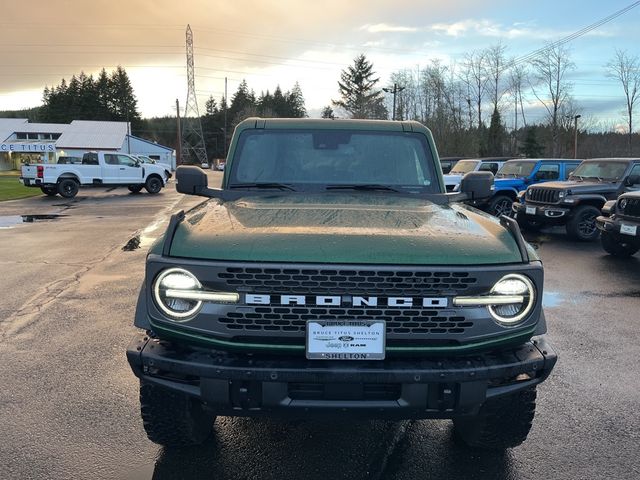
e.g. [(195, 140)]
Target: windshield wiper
[(580, 177), (266, 185), (365, 187)]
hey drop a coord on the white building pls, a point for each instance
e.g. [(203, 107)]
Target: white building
[(22, 142)]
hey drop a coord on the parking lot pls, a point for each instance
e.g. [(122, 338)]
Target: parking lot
[(69, 402)]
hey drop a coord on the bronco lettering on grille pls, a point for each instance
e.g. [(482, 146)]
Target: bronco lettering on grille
[(338, 300)]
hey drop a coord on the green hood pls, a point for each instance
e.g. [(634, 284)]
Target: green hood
[(343, 228)]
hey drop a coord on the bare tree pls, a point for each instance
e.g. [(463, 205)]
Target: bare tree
[(517, 75), (551, 87), (494, 65), (474, 77), (626, 69)]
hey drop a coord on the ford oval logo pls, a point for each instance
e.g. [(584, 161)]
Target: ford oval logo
[(345, 338)]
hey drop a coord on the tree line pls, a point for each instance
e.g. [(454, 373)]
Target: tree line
[(464, 104)]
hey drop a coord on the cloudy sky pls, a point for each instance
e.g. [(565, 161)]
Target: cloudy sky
[(271, 42)]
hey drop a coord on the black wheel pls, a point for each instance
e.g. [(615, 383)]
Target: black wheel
[(528, 225), (173, 419), (153, 184), (135, 188), (617, 245), (582, 224), (500, 205), (68, 187), (501, 423), (49, 190)]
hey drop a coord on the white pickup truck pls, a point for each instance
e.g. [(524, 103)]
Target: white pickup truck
[(96, 169)]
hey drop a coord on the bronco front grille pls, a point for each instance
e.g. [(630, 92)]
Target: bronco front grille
[(632, 208), (293, 319), (355, 282), (543, 195)]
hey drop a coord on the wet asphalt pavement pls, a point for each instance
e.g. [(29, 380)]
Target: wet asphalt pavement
[(69, 406)]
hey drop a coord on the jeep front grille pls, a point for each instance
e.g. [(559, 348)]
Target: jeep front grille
[(356, 282), (632, 208), (543, 195)]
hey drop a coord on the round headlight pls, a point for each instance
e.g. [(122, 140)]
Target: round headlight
[(518, 286), (179, 309), (562, 194), (623, 203)]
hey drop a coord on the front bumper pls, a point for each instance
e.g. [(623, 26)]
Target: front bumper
[(550, 214), (243, 385), (619, 226)]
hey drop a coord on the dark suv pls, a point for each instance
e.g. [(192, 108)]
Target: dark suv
[(620, 225), (577, 202)]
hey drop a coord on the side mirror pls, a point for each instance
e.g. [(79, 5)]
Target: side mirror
[(632, 180), (477, 185), (190, 180)]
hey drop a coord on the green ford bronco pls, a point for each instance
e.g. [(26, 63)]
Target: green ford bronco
[(332, 274)]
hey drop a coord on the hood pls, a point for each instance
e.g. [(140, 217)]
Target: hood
[(452, 178), (344, 229), (581, 187), (507, 183)]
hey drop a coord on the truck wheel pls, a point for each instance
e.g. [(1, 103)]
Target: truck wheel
[(135, 188), (173, 419), (49, 190), (501, 423), (500, 205), (582, 224), (153, 184), (617, 246), (68, 187)]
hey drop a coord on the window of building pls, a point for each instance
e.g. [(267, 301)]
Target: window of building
[(21, 136)]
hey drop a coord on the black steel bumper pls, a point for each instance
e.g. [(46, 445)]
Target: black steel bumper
[(551, 214), (243, 385), (615, 224)]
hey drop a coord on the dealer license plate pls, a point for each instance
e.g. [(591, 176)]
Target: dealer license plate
[(628, 229), (345, 340), (530, 210)]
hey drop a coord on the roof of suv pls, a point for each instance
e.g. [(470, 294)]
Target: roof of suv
[(613, 159)]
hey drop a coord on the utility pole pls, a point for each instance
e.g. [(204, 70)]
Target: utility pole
[(395, 90), (575, 136), (179, 142)]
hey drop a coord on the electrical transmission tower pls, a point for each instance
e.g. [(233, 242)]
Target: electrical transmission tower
[(193, 147)]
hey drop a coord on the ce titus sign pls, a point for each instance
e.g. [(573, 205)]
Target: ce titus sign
[(28, 147)]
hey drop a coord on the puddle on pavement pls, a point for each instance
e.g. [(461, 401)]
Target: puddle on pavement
[(8, 221), (551, 299)]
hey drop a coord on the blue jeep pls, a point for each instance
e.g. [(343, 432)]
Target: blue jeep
[(517, 175)]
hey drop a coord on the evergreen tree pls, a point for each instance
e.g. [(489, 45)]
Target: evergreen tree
[(210, 106), (124, 105), (495, 135), (103, 94), (327, 112), (295, 102), (359, 96), (531, 148)]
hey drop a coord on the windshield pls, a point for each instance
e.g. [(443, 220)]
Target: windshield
[(307, 160), (465, 166), (600, 170), (516, 169)]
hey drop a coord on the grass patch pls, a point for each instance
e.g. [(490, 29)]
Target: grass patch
[(12, 189)]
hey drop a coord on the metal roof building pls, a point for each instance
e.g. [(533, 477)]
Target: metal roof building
[(21, 141)]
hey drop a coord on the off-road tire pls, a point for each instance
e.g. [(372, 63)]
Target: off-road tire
[(582, 223), (135, 188), (153, 184), (68, 187), (50, 191), (527, 225), (617, 245), (501, 423), (173, 419), (500, 205)]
